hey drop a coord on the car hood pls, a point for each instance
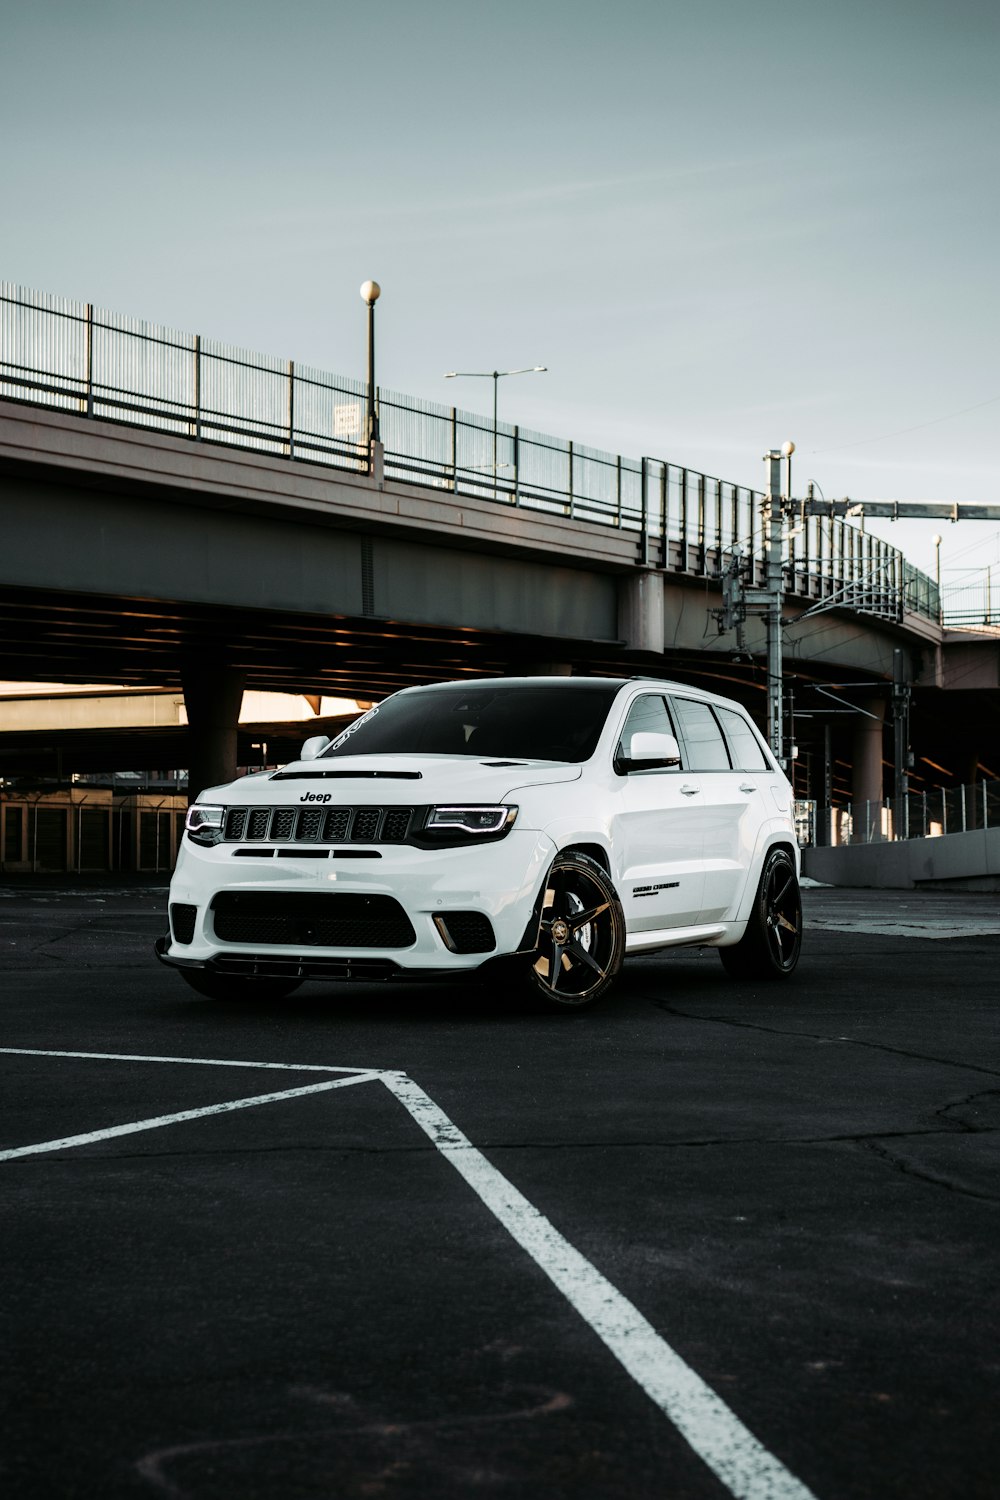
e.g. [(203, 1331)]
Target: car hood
[(395, 780)]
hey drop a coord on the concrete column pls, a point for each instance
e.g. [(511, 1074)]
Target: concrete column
[(213, 694), (640, 610), (867, 784)]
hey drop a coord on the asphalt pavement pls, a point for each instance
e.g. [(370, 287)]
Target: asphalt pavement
[(710, 1238)]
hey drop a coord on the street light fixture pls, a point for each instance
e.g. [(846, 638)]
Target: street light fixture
[(937, 540), (370, 293), (496, 376)]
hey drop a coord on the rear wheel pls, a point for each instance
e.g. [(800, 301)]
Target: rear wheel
[(235, 987), (770, 947), (581, 939)]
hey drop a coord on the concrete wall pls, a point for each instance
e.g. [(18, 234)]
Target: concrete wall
[(970, 860)]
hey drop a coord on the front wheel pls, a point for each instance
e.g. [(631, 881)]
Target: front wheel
[(233, 987), (770, 947), (581, 936)]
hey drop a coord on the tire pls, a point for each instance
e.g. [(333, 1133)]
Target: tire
[(581, 939), (233, 987), (770, 947)]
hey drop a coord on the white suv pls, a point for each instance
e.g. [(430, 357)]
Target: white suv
[(547, 825)]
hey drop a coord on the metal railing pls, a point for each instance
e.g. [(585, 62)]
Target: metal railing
[(921, 815), (74, 357), (974, 601)]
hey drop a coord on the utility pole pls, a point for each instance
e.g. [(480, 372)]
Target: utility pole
[(739, 601), (774, 590), (901, 739)]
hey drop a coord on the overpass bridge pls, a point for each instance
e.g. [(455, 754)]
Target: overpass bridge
[(180, 513)]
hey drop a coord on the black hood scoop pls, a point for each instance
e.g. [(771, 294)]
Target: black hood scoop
[(347, 776)]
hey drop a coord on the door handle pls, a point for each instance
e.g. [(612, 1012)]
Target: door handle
[(747, 786), (690, 791)]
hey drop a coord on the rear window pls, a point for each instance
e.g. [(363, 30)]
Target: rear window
[(706, 749), (744, 745), (488, 721)]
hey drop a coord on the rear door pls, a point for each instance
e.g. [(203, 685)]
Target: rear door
[(657, 831), (721, 746)]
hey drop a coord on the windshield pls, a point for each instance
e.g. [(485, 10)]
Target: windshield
[(548, 722)]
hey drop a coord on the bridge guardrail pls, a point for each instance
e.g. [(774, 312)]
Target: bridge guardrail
[(73, 357), (920, 815)]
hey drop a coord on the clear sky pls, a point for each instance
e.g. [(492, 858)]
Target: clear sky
[(719, 224)]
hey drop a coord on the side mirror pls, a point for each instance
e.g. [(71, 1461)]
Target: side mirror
[(652, 747), (314, 746)]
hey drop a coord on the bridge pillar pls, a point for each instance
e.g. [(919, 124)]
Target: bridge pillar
[(640, 610), (213, 694), (867, 783)]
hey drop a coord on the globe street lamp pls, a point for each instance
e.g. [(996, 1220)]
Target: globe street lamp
[(496, 376), (370, 293)]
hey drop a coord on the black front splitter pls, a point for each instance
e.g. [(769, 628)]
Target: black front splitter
[(312, 966)]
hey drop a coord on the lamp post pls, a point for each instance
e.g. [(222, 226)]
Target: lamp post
[(936, 539), (496, 376), (370, 293)]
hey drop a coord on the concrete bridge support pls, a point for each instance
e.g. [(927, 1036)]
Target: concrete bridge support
[(868, 734), (640, 610), (213, 695)]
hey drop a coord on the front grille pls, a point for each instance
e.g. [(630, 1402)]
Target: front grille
[(335, 920), (182, 919), (317, 825)]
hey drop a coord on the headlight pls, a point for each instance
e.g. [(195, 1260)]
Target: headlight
[(204, 823), (474, 822)]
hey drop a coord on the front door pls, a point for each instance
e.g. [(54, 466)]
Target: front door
[(658, 833)]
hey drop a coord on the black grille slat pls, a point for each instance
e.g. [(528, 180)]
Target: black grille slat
[(342, 920), (310, 824), (282, 823), (338, 820), (236, 822), (365, 826), (318, 825), (397, 823)]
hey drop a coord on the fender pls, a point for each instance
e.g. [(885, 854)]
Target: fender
[(776, 831)]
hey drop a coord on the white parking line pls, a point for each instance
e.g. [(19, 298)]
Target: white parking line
[(712, 1430), (202, 1062), (185, 1114), (715, 1433)]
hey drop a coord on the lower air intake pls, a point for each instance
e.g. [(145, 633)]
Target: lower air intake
[(346, 920), (182, 920), (466, 931)]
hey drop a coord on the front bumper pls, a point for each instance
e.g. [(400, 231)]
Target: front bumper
[(502, 881)]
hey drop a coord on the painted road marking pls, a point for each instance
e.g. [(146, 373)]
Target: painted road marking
[(715, 1433), (185, 1114), (198, 1062), (703, 1419)]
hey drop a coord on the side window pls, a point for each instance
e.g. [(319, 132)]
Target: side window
[(647, 713), (744, 746), (706, 749)]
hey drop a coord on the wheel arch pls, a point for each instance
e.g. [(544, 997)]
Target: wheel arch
[(596, 852)]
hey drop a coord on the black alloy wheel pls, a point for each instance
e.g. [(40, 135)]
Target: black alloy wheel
[(770, 947), (236, 987), (581, 937)]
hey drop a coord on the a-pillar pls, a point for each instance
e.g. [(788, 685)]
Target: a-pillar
[(213, 695), (868, 732)]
